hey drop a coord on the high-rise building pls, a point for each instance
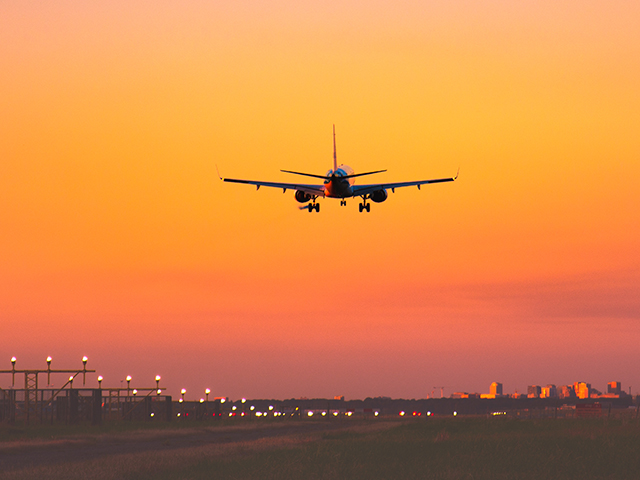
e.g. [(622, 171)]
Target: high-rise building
[(566, 391), (495, 389), (550, 391), (614, 387), (533, 391), (582, 389)]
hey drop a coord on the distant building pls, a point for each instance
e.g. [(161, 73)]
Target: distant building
[(566, 391), (582, 389), (614, 387), (339, 397), (465, 395), (533, 391), (495, 389), (550, 391)]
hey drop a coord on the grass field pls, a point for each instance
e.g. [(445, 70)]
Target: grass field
[(452, 448)]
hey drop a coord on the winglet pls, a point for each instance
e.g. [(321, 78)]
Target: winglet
[(335, 157), (219, 176), (457, 173)]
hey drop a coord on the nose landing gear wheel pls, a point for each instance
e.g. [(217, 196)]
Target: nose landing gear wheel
[(314, 206), (343, 203)]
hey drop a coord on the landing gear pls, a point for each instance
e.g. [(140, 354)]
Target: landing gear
[(364, 205), (314, 206), (343, 203)]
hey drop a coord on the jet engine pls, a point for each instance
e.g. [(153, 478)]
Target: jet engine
[(379, 196), (302, 197)]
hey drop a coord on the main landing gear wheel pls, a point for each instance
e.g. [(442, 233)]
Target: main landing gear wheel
[(343, 203), (315, 206), (364, 205)]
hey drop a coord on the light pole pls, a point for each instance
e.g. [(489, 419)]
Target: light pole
[(207, 391), (13, 373), (100, 382), (158, 382), (48, 371), (128, 379), (71, 381), (84, 369)]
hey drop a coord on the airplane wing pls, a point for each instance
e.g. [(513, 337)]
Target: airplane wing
[(310, 189), (366, 189)]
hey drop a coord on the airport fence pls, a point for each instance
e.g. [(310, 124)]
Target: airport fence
[(80, 405)]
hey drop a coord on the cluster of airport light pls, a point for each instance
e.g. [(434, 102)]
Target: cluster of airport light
[(207, 391), (312, 413), (135, 391), (277, 413), (85, 359), (49, 371), (84, 370), (419, 414), (271, 410)]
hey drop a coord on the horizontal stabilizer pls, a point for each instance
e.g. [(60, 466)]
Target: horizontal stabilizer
[(324, 177), (328, 177), (363, 174)]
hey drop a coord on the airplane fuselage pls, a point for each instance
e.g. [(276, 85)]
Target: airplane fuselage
[(335, 186)]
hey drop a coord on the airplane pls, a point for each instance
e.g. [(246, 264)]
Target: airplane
[(339, 183)]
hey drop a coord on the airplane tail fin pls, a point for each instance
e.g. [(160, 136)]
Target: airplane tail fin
[(335, 157), (335, 166)]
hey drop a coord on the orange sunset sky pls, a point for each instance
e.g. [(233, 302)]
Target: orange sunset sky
[(119, 242)]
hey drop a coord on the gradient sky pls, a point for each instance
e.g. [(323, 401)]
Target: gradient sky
[(118, 241)]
